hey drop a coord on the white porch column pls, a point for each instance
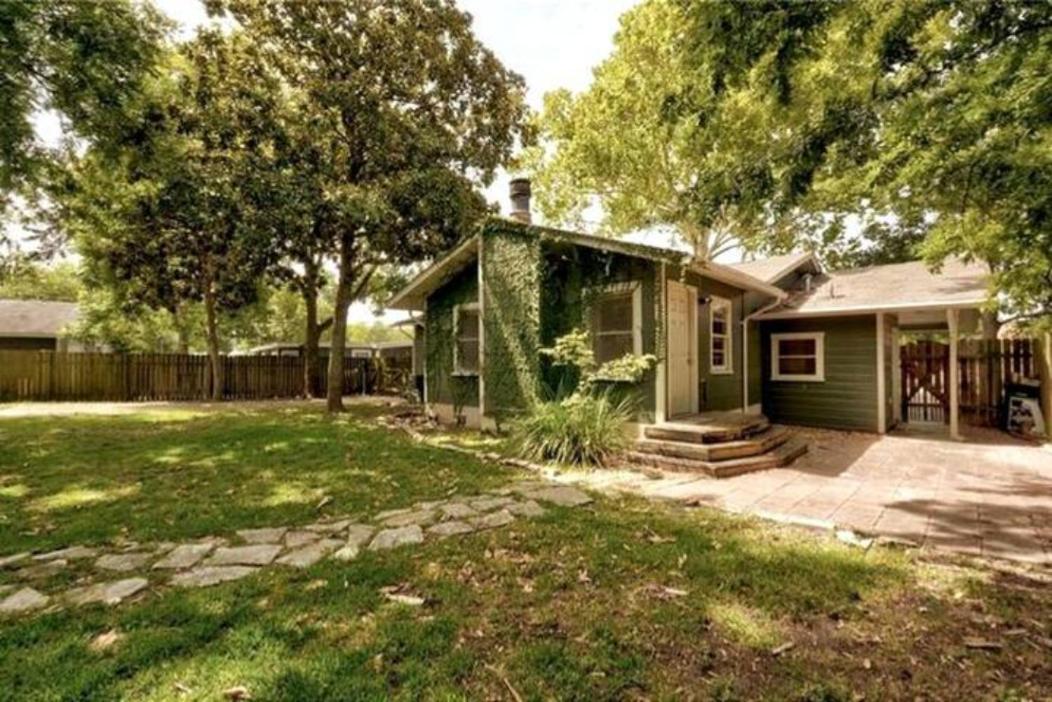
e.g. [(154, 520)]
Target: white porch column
[(882, 382), (951, 320), (661, 394)]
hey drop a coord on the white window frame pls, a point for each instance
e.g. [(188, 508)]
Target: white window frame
[(468, 307), (820, 357), (618, 289), (721, 303)]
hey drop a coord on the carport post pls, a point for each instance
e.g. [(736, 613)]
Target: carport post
[(951, 320)]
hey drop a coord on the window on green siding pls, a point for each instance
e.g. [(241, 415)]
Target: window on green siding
[(720, 329), (798, 356), (613, 325), (466, 329)]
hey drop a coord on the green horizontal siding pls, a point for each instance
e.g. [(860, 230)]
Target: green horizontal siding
[(442, 386), (847, 399), (719, 391)]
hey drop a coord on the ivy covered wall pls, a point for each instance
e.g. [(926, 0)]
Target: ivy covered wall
[(443, 387), (571, 276), (511, 285)]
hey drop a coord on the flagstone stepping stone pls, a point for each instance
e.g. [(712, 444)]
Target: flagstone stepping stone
[(420, 517), (13, 559), (210, 575), (357, 536), (386, 514), (122, 562), (184, 556), (487, 504), (72, 553), (44, 570), (110, 593), (457, 510), (310, 554), (270, 535), (329, 527), (494, 520), (451, 528), (563, 496), (24, 600), (258, 555), (392, 538), (529, 508), (300, 537)]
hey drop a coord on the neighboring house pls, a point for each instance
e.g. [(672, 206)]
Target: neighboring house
[(37, 325), (778, 336)]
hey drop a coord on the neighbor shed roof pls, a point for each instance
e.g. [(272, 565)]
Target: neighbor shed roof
[(35, 318), (898, 286)]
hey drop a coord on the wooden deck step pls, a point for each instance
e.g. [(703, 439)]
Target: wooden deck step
[(756, 444), (706, 433), (777, 457)]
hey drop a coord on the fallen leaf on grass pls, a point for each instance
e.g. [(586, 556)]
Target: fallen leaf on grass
[(663, 592), (783, 648), (237, 693), (982, 644), (105, 640), (400, 594), (182, 688)]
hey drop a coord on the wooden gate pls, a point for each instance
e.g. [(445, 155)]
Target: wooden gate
[(925, 381), (985, 367)]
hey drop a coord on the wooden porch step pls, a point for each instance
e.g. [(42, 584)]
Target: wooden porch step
[(706, 433), (757, 444), (778, 457)]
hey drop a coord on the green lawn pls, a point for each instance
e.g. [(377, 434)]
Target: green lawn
[(623, 599)]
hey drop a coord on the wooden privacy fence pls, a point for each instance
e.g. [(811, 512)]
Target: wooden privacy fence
[(50, 375), (985, 365)]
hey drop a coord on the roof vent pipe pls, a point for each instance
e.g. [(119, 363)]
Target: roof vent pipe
[(520, 199)]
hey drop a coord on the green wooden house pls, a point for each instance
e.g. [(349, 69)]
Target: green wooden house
[(779, 338)]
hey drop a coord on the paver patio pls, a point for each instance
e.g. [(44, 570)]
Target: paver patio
[(989, 495)]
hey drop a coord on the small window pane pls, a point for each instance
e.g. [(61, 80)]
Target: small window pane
[(609, 347), (468, 356), (797, 366), (614, 313), (719, 323), (467, 324), (796, 347), (717, 358)]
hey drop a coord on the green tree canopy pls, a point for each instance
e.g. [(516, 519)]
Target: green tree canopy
[(409, 112), (83, 61)]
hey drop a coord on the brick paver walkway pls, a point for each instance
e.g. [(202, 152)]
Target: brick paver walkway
[(989, 495)]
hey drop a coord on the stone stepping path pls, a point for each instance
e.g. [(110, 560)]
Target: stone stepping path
[(213, 560)]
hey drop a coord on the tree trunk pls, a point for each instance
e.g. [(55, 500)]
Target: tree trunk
[(212, 329), (311, 361), (344, 296)]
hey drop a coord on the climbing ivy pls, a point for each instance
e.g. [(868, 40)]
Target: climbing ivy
[(511, 285)]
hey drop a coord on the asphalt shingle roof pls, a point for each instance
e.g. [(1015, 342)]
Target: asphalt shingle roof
[(35, 318)]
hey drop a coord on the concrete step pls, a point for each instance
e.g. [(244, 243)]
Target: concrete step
[(706, 433), (777, 457), (755, 445)]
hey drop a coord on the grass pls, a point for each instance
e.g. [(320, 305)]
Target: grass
[(623, 599)]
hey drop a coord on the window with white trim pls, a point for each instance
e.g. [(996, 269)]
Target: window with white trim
[(466, 333), (799, 356), (615, 323), (720, 336)]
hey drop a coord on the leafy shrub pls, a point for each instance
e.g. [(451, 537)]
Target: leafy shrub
[(583, 429)]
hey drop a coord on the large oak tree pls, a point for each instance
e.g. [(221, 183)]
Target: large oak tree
[(409, 114)]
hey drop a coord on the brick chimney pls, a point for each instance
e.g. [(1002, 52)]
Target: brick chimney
[(520, 199)]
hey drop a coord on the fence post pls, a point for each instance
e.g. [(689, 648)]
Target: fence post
[(1043, 359)]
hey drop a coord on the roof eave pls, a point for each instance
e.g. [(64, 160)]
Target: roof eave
[(726, 274), (873, 309), (412, 296)]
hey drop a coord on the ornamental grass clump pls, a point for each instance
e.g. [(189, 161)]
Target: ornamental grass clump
[(579, 430), (587, 426)]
